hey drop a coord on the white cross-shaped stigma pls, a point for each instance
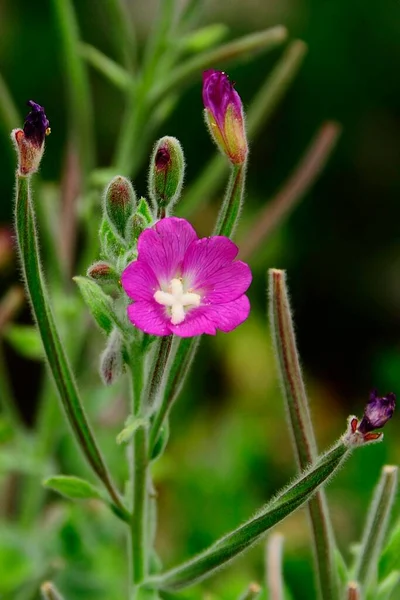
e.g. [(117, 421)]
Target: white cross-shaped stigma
[(177, 300)]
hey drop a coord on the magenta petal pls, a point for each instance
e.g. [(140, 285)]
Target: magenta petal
[(208, 318), (228, 316), (139, 281), (204, 260), (227, 284), (150, 317), (163, 247)]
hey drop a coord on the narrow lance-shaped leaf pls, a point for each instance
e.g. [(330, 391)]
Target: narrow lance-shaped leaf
[(55, 354), (234, 543), (72, 487)]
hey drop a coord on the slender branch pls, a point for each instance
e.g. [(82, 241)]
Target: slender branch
[(376, 526), (301, 429), (298, 184), (236, 542), (274, 567), (232, 205), (183, 355)]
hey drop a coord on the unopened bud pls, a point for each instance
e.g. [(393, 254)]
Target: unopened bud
[(102, 272), (29, 141), (167, 169), (111, 361), (224, 115), (120, 202), (49, 591), (377, 412)]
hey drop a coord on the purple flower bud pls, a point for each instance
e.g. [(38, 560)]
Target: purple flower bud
[(224, 115), (377, 412), (29, 141), (36, 125)]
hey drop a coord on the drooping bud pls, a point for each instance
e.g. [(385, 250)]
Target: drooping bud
[(224, 115), (49, 591), (111, 361), (167, 169), (102, 272), (120, 202), (29, 141), (377, 412)]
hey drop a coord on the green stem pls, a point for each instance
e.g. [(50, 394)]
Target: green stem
[(153, 385), (376, 526), (140, 509), (301, 429), (234, 543), (232, 205), (78, 90), (183, 355), (54, 350)]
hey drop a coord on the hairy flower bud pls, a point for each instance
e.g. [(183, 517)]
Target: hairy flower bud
[(167, 168), (224, 115), (29, 141), (102, 272), (111, 361), (120, 202), (377, 412)]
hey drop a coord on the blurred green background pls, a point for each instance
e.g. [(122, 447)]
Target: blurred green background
[(229, 446)]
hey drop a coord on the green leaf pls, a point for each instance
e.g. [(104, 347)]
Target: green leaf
[(204, 38), (144, 210), (25, 339), (111, 70), (388, 585), (131, 425), (389, 560), (72, 487), (25, 223), (237, 541), (99, 304)]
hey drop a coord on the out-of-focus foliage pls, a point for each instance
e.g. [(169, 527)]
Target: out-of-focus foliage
[(229, 446)]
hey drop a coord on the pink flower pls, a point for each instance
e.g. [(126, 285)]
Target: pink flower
[(185, 285)]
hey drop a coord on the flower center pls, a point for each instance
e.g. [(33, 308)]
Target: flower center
[(177, 300)]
